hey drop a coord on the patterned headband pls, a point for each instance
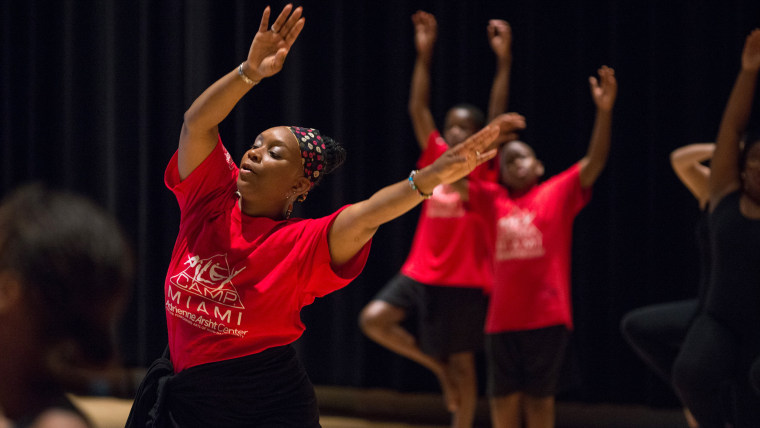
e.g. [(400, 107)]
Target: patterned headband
[(312, 151)]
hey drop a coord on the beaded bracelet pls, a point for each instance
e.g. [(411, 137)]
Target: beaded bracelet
[(245, 78), (414, 187)]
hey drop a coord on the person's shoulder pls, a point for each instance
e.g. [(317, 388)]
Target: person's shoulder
[(573, 172), (305, 223)]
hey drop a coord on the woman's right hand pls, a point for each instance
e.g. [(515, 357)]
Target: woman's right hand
[(271, 45)]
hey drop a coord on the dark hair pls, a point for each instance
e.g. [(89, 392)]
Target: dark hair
[(478, 118), (335, 155), (74, 265)]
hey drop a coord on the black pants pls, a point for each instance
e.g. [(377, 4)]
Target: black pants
[(656, 333), (267, 390), (711, 374)]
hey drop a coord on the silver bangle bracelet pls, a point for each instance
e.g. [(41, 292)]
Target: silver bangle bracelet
[(245, 78)]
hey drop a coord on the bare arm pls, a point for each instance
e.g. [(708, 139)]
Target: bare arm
[(356, 225), (603, 91), (500, 38), (687, 164), (265, 58), (724, 175), (425, 29)]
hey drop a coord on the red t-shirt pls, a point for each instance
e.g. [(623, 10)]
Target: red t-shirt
[(236, 284), (532, 255), (452, 245)]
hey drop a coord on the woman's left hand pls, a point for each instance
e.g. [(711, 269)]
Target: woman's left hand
[(271, 45)]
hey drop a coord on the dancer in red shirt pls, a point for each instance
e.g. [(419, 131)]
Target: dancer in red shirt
[(529, 313), (242, 269), (442, 280)]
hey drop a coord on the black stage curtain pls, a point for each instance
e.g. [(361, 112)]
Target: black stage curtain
[(93, 94)]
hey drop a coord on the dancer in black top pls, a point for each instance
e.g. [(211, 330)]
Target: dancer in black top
[(724, 340)]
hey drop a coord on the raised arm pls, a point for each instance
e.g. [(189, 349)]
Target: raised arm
[(356, 225), (603, 91), (425, 31), (266, 56), (500, 38), (688, 166), (725, 173)]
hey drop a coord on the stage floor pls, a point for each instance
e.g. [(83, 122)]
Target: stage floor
[(377, 408), (350, 407)]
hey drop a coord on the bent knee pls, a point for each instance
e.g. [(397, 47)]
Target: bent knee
[(379, 315)]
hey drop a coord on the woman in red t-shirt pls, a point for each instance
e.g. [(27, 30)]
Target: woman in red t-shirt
[(242, 269)]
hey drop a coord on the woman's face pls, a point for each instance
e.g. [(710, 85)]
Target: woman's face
[(519, 167), (458, 126), (271, 167)]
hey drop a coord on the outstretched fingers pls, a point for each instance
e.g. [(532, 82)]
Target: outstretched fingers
[(604, 88), (264, 20), (287, 25), (290, 24), (282, 18), (477, 146), (294, 31), (483, 157)]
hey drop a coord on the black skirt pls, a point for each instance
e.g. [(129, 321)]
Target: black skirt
[(268, 389)]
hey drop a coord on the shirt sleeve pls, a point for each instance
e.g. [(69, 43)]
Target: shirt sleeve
[(321, 277), (214, 178), (567, 186), (435, 148)]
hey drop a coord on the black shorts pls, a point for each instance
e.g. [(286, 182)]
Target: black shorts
[(528, 361), (449, 319)]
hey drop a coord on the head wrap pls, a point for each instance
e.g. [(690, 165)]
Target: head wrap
[(312, 151)]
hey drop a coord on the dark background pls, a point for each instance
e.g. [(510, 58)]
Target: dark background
[(93, 94)]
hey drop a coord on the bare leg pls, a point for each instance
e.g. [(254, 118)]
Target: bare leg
[(539, 411), (690, 421), (381, 322), (461, 369), (506, 412)]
